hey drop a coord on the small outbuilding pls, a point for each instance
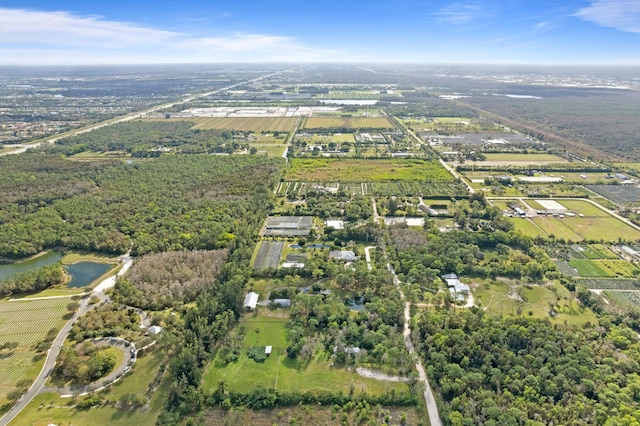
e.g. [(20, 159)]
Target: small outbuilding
[(268, 350), (154, 329), (250, 301)]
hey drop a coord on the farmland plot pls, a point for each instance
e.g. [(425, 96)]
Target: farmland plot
[(268, 255), (25, 322), (247, 124)]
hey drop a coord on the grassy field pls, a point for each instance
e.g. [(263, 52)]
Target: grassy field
[(247, 124), (270, 150), (78, 256), (588, 268), (281, 372), (351, 170), (598, 251), (525, 158), (557, 228), (49, 408), (348, 123), (528, 227), (596, 224), (501, 298), (26, 322)]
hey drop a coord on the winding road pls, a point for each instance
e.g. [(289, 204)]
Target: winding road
[(52, 354)]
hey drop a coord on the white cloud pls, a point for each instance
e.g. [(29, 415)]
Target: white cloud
[(460, 13), (36, 37), (623, 15)]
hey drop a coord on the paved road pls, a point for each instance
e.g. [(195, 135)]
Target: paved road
[(52, 354), (49, 363), (119, 371), (132, 116)]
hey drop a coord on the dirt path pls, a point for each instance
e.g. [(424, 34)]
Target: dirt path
[(372, 374)]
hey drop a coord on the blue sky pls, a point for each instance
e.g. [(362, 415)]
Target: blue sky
[(485, 31)]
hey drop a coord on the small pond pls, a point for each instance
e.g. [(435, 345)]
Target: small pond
[(84, 273), (15, 268)]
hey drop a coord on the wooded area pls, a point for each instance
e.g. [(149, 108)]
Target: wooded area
[(171, 203)]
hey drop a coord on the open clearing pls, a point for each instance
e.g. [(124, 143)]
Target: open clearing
[(352, 170), (281, 372), (502, 298), (348, 123), (507, 159), (26, 322), (596, 224), (247, 124)]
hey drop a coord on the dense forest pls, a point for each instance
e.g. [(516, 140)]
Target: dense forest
[(605, 119), (148, 139), (169, 204), (516, 371)]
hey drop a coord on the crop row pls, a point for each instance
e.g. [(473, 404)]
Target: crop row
[(610, 284), (444, 190)]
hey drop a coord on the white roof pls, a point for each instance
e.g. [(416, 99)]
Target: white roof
[(251, 300), (154, 329), (268, 349), (335, 224)]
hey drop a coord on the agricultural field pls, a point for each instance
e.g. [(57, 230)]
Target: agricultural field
[(26, 322), (411, 189), (511, 159), (588, 268), (610, 283), (270, 150), (618, 268), (354, 94), (279, 371), (268, 254), (378, 170), (597, 251), (348, 123), (619, 194), (247, 124), (596, 224), (505, 297)]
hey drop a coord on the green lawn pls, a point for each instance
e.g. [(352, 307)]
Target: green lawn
[(588, 268), (515, 158), (500, 298), (281, 372), (49, 408), (557, 227), (528, 227)]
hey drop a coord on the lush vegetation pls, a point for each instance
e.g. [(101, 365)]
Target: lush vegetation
[(85, 363), (338, 170), (511, 371), (33, 281), (148, 139), (172, 203)]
